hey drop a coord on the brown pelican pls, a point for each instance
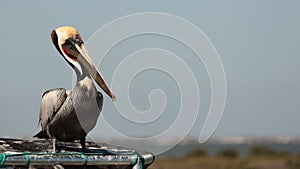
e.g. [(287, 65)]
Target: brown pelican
[(70, 115)]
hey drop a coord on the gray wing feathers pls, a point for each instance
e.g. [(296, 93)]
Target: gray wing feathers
[(51, 102)]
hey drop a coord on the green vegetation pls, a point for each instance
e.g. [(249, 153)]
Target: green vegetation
[(228, 153), (258, 157), (258, 150), (197, 153)]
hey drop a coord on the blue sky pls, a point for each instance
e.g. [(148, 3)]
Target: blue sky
[(257, 42)]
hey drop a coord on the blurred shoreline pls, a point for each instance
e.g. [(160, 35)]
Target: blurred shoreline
[(241, 144)]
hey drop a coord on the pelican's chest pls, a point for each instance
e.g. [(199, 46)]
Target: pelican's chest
[(85, 105)]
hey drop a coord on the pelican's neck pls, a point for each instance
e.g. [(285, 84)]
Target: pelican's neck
[(81, 74), (84, 83), (80, 71), (84, 79)]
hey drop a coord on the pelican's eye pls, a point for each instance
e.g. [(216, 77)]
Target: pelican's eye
[(76, 38)]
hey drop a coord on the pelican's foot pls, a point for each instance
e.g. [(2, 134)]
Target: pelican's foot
[(82, 142), (55, 146)]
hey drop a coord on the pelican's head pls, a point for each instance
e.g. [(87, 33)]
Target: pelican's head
[(69, 44)]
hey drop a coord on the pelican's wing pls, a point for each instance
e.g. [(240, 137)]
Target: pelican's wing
[(51, 102)]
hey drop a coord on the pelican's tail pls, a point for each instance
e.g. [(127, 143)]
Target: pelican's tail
[(41, 134)]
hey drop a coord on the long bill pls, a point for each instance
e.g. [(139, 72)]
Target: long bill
[(87, 62)]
